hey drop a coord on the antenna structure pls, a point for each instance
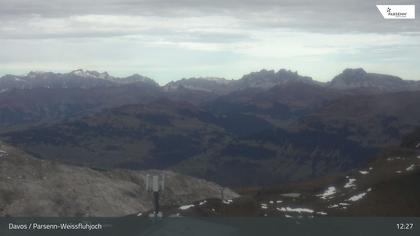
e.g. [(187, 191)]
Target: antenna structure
[(155, 184)]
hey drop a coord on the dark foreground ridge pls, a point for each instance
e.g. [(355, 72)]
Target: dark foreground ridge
[(39, 188)]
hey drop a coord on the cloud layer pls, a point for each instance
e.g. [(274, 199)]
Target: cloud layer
[(168, 39)]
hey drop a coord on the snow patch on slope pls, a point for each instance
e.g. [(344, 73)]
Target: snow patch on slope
[(298, 210), (410, 168), (2, 153), (350, 183), (202, 203), (186, 207), (359, 196), (363, 172), (227, 202), (328, 193)]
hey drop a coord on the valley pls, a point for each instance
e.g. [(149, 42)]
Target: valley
[(289, 145)]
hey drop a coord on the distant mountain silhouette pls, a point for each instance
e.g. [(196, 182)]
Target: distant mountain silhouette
[(359, 78)]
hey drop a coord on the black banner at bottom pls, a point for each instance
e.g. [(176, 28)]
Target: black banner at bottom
[(211, 226)]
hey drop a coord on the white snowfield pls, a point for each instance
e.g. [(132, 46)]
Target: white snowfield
[(264, 206), (186, 207), (363, 172), (322, 213), (298, 210), (350, 183), (328, 193)]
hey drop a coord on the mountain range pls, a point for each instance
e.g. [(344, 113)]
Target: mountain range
[(263, 129), (309, 147), (41, 97), (265, 79), (76, 79)]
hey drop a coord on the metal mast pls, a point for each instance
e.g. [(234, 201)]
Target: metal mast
[(155, 184)]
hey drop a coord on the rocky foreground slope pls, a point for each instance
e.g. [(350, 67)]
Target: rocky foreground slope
[(33, 187)]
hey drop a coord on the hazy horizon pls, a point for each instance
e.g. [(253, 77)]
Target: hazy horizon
[(169, 40)]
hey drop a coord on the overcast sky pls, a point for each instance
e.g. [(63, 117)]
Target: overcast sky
[(172, 39)]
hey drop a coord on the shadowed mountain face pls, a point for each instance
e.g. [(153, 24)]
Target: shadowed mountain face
[(267, 128), (235, 149), (42, 105), (280, 104), (371, 120), (41, 97)]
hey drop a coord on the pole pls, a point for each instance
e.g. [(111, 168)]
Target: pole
[(156, 202)]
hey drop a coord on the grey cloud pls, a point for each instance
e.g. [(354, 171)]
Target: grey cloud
[(315, 16), (146, 35)]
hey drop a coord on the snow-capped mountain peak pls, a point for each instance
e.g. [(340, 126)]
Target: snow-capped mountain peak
[(33, 74), (206, 84), (90, 74)]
